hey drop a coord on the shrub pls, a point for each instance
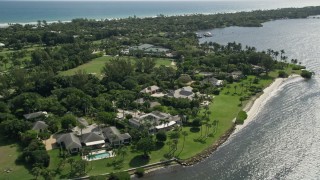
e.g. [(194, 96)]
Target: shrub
[(298, 67), (242, 115), (139, 172), (196, 122), (97, 177), (282, 74), (306, 74), (128, 116), (184, 78), (161, 136), (119, 176), (174, 135)]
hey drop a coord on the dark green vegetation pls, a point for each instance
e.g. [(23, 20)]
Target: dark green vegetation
[(306, 74), (32, 79), (242, 115)]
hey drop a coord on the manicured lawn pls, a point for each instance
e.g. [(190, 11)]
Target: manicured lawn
[(9, 152), (95, 66)]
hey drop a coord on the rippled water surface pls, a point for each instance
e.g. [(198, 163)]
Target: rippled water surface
[(283, 141)]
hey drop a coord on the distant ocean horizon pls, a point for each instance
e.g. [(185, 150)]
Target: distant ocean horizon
[(27, 12)]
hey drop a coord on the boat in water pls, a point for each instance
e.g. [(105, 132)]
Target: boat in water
[(207, 34)]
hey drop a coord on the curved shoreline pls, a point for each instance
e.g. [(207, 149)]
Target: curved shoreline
[(253, 107), (256, 103)]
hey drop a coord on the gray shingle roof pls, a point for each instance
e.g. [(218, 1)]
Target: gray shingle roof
[(113, 134), (70, 141), (211, 80), (35, 115), (91, 137), (39, 125)]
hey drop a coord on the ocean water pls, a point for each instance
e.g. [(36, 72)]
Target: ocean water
[(31, 11), (283, 140)]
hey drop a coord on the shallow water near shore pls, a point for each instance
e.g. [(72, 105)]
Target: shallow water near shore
[(283, 140)]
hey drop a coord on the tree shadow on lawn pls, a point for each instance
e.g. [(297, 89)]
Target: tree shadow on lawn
[(139, 160), (200, 140), (158, 146), (194, 129)]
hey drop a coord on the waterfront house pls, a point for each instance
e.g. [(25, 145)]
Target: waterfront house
[(114, 137), (157, 121), (93, 139), (70, 142)]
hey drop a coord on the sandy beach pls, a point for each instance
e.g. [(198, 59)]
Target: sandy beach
[(254, 105)]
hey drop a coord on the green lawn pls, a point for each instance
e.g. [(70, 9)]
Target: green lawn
[(9, 152), (95, 66)]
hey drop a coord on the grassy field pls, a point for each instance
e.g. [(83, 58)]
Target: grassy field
[(9, 152), (95, 66)]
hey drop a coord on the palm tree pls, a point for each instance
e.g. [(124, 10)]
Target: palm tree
[(208, 126), (47, 174), (208, 114), (201, 123), (241, 85), (122, 151), (71, 162), (5, 62), (184, 134), (81, 127), (235, 89), (228, 87)]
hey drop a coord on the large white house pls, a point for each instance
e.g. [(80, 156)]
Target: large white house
[(156, 120)]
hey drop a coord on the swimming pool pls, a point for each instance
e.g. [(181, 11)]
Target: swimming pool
[(98, 156)]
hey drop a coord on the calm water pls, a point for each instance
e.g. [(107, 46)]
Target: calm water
[(25, 12), (283, 142)]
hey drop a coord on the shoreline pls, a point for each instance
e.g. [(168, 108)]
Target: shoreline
[(253, 107), (256, 103)]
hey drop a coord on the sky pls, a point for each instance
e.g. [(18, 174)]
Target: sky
[(132, 0)]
